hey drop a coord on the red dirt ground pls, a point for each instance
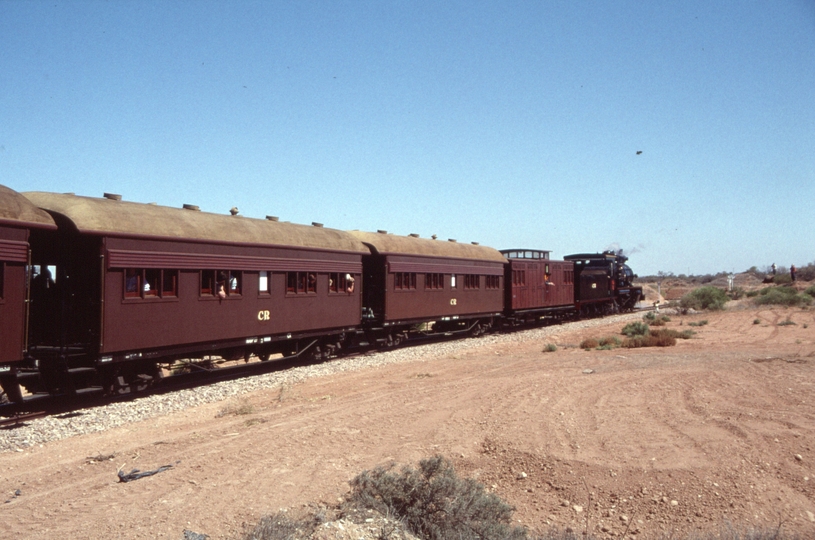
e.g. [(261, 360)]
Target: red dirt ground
[(719, 428)]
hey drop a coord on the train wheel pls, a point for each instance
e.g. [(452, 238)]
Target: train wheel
[(264, 356)]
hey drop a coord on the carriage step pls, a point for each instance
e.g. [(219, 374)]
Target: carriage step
[(79, 370), (89, 390), (30, 398)]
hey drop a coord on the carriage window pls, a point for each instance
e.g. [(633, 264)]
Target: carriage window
[(301, 282), (169, 283), (2, 280), (133, 282), (472, 281), (340, 283), (453, 281), (404, 281), (207, 282), (235, 283), (493, 282), (434, 281), (151, 281), (263, 281)]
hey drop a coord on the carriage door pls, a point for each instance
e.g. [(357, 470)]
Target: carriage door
[(536, 288)]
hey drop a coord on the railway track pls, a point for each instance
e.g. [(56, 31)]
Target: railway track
[(200, 374)]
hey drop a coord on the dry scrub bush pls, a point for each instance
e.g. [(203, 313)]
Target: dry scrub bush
[(589, 343), (610, 341), (649, 341), (434, 503), (280, 526)]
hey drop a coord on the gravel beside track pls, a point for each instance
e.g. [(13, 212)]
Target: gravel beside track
[(90, 420)]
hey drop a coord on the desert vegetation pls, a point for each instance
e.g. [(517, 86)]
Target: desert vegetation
[(432, 502), (639, 334)]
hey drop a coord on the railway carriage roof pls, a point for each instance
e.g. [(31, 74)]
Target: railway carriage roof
[(106, 217), (391, 244), (16, 209)]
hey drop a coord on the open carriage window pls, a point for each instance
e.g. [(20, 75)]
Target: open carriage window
[(207, 282), (150, 283), (301, 282), (234, 283), (169, 283), (133, 282)]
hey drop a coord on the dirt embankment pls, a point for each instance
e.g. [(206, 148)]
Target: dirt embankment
[(718, 428)]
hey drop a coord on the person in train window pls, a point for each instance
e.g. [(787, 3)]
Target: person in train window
[(220, 286)]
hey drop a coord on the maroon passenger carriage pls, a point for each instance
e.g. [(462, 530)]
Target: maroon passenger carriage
[(140, 284), (418, 285), (17, 218), (537, 287)]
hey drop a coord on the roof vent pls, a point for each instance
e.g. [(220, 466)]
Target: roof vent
[(273, 218), (191, 207), (234, 211), (413, 235), (474, 243), (451, 239), (314, 223), (382, 231), (112, 196)]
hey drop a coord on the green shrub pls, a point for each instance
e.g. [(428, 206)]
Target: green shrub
[(751, 294), (550, 347), (756, 321), (698, 323), (649, 317), (782, 296), (787, 322), (589, 343), (810, 291), (736, 293), (635, 329), (434, 503), (707, 297)]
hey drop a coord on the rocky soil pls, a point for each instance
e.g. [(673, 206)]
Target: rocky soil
[(719, 428)]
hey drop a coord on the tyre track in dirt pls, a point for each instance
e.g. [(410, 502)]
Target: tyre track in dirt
[(702, 425)]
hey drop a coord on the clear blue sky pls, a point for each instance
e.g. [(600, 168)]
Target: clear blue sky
[(514, 124)]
